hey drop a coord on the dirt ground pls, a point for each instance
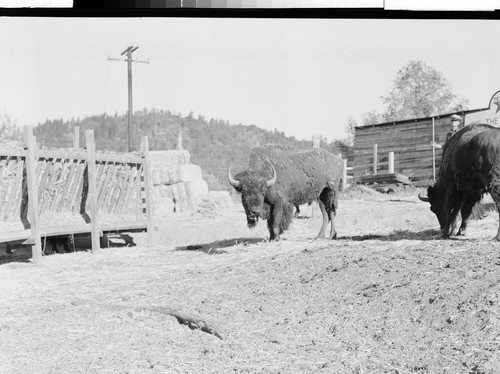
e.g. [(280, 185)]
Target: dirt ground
[(388, 296)]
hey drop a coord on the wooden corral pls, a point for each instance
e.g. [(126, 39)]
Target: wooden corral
[(71, 191), (411, 143)]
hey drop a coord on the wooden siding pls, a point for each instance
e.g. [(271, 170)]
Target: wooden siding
[(411, 143)]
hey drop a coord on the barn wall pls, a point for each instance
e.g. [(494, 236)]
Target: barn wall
[(410, 141)]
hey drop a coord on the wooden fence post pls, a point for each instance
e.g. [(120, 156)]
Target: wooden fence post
[(146, 194), (391, 162), (32, 193), (375, 150), (94, 227), (344, 175)]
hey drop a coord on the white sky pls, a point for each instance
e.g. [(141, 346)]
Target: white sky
[(300, 76)]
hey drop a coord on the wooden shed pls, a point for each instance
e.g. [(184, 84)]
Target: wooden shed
[(409, 144)]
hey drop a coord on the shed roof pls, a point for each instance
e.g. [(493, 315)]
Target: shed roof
[(422, 119)]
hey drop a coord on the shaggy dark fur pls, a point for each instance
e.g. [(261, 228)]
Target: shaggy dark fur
[(302, 176), (470, 167)]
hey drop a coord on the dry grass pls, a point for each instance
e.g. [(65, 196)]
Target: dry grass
[(388, 296)]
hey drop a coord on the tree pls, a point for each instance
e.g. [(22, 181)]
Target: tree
[(372, 118), (420, 91), (8, 129), (349, 130)]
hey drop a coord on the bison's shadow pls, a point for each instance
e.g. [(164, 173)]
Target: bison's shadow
[(217, 247), (397, 235)]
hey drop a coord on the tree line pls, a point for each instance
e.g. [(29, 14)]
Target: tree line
[(214, 144)]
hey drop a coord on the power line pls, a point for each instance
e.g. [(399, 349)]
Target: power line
[(128, 52)]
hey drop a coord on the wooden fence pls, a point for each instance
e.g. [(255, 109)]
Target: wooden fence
[(70, 191)]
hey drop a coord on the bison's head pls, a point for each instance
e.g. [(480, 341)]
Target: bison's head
[(436, 196), (253, 187)]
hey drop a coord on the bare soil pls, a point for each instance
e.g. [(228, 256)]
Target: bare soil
[(388, 296)]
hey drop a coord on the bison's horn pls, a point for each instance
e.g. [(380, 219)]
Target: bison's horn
[(272, 181), (423, 198), (234, 182)]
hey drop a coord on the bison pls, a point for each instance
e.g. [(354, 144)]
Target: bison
[(470, 167), (280, 177)]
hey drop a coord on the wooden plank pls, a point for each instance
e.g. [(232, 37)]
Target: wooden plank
[(15, 197), (43, 182), (406, 131), (60, 184), (137, 192), (80, 154), (16, 235), (87, 228), (108, 187), (49, 192), (32, 193), (398, 144), (21, 235), (92, 198), (135, 175), (102, 176), (66, 193), (385, 178), (18, 195), (7, 150), (75, 188), (119, 187), (147, 189), (5, 183), (128, 192)]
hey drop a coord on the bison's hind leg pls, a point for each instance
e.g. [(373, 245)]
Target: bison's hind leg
[(328, 204), (495, 194), (287, 218)]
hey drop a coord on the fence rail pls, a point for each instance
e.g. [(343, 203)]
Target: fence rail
[(72, 191)]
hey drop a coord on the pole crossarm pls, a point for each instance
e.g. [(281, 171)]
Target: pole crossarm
[(125, 60), (129, 61)]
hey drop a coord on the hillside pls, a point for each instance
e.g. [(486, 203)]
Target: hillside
[(214, 144)]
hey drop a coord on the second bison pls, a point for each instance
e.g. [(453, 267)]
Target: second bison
[(280, 177)]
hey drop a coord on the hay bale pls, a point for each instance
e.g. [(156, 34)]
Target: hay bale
[(168, 176), (195, 191), (160, 159), (156, 177), (189, 172), (215, 203), (177, 193)]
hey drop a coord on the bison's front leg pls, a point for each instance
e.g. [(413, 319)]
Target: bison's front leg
[(450, 222), (274, 222)]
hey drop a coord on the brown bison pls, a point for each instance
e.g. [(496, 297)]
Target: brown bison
[(470, 167), (280, 177)]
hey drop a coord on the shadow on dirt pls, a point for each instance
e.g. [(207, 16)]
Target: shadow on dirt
[(217, 247), (302, 217), (399, 235)]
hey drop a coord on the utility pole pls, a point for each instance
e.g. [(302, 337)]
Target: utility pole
[(128, 52)]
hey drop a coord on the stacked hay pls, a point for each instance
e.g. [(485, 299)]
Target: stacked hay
[(178, 185), (215, 203)]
